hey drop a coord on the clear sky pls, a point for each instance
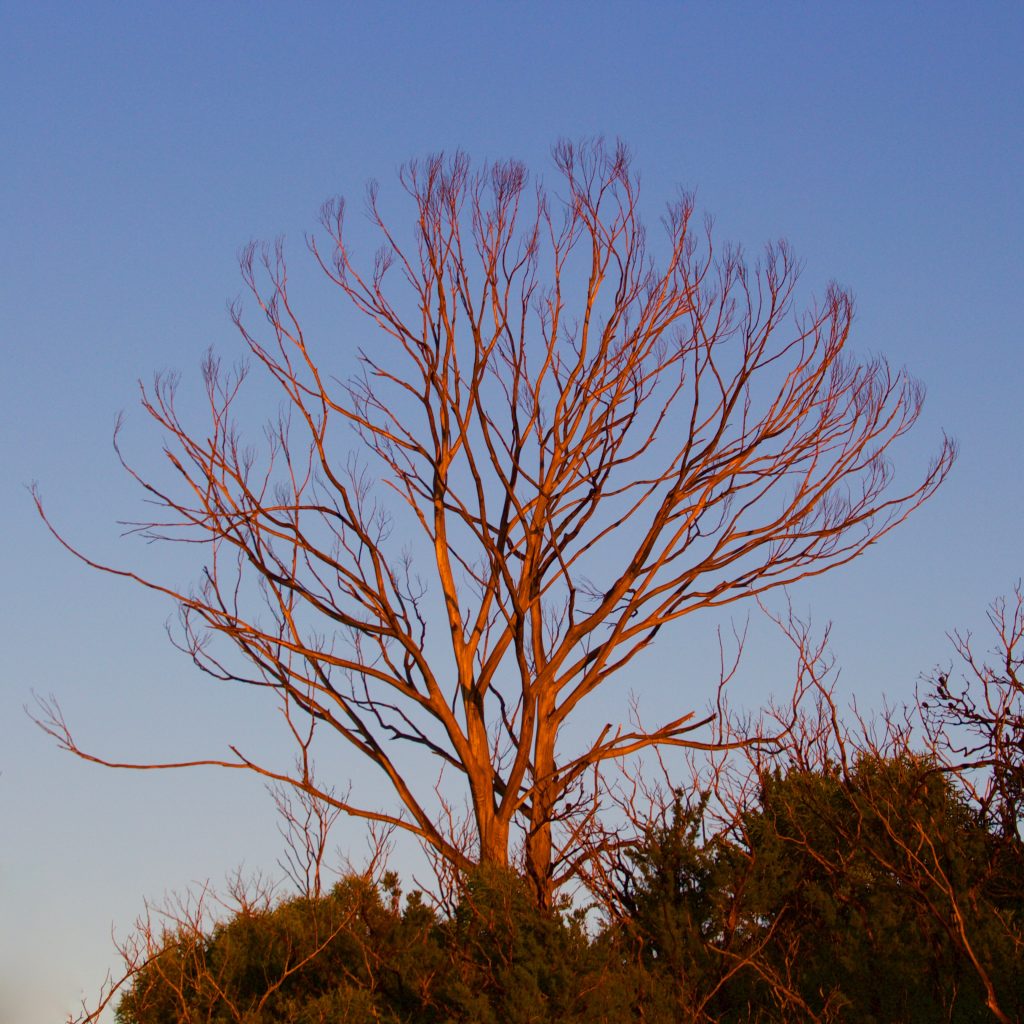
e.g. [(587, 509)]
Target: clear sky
[(142, 144)]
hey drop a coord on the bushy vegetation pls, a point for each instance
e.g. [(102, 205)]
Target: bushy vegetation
[(359, 954), (868, 894), (865, 875), (871, 898)]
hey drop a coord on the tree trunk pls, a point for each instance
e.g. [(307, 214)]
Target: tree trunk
[(545, 797)]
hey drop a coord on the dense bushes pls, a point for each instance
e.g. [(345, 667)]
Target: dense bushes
[(354, 955), (868, 894), (874, 896), (831, 875)]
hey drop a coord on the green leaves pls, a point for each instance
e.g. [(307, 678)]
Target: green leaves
[(871, 894), (874, 897)]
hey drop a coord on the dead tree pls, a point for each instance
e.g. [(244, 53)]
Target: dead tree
[(560, 441), (975, 726)]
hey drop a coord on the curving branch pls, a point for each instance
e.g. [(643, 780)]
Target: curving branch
[(561, 439)]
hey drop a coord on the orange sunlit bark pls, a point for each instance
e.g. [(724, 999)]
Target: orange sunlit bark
[(592, 438)]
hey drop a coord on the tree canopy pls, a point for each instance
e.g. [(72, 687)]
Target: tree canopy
[(562, 438)]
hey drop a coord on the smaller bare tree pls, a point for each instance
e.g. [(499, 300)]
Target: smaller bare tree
[(304, 821), (975, 726)]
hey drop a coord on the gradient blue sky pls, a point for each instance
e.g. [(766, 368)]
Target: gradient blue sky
[(141, 145)]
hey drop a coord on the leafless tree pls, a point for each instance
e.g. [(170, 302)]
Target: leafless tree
[(975, 726), (560, 441), (305, 822)]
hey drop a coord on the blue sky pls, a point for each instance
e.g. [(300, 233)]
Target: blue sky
[(142, 145)]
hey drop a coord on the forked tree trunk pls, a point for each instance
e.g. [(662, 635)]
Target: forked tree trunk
[(528, 354)]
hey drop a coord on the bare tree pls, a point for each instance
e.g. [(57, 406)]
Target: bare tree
[(305, 822), (583, 440), (975, 726)]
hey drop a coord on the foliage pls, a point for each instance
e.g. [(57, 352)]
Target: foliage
[(861, 898), (353, 955), (864, 896)]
